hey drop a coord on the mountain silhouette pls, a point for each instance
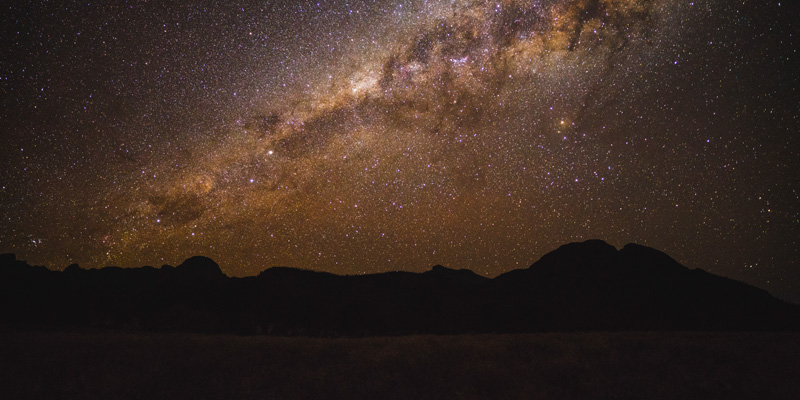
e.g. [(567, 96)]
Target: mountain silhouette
[(580, 286)]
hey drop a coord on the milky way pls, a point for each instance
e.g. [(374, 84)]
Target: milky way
[(370, 136)]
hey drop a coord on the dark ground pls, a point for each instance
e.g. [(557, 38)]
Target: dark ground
[(530, 366)]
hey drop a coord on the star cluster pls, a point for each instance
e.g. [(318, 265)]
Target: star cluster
[(366, 136)]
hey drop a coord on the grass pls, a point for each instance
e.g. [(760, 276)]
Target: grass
[(532, 366)]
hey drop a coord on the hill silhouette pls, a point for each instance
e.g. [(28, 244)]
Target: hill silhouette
[(580, 286)]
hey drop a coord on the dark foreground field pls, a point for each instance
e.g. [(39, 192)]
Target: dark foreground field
[(531, 366)]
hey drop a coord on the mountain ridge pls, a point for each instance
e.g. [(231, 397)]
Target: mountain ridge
[(587, 285)]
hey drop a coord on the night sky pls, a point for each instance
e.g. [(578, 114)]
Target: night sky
[(365, 136)]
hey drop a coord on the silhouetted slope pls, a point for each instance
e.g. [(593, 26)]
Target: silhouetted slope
[(579, 286), (591, 285)]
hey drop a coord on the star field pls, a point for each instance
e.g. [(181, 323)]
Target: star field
[(366, 136)]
